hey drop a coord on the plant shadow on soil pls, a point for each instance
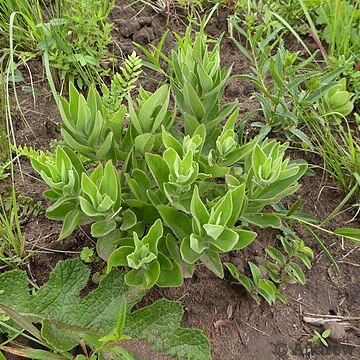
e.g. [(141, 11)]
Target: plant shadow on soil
[(236, 326)]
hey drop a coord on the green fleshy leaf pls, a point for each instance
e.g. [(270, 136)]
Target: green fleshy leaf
[(72, 220), (102, 228)]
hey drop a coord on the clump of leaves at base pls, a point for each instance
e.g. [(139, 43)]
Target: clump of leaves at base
[(101, 320), (183, 195), (161, 197)]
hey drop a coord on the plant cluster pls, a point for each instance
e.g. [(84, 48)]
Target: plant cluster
[(77, 40), (181, 195), (74, 36), (337, 23), (285, 94)]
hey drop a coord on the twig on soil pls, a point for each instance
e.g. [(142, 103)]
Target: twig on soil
[(349, 263), (346, 318), (352, 250), (86, 235), (348, 344), (254, 328), (49, 251), (244, 342), (183, 296), (322, 321)]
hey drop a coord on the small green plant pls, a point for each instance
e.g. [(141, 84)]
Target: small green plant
[(258, 286), (338, 100), (282, 269), (87, 255), (99, 199), (286, 96), (177, 188), (321, 337), (148, 265), (197, 79)]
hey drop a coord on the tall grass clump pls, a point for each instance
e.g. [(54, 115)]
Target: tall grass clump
[(27, 33)]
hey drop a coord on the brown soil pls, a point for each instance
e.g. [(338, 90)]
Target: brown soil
[(236, 326)]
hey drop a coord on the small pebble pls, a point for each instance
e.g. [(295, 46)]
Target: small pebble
[(337, 331)]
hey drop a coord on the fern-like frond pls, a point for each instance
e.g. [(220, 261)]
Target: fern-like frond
[(124, 81), (31, 153)]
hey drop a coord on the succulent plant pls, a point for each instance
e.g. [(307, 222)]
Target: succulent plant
[(338, 100)]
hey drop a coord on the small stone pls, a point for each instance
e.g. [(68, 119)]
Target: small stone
[(127, 28), (337, 331), (258, 259), (144, 36), (145, 21)]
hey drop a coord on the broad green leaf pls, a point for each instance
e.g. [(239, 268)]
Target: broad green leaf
[(105, 245), (198, 209), (119, 257), (223, 210), (226, 241), (263, 220), (60, 208), (214, 231), (266, 290), (171, 277), (193, 102), (110, 182), (170, 142), (275, 254), (198, 243), (186, 269), (212, 261), (71, 221), (189, 255), (238, 196), (158, 168), (65, 314), (163, 318), (153, 236), (129, 220), (144, 143), (295, 270), (152, 274), (246, 237), (158, 98), (255, 272), (177, 221), (102, 228)]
